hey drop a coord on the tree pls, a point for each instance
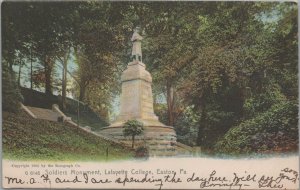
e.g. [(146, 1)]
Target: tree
[(52, 35), (101, 37), (40, 29), (217, 56), (133, 128), (64, 63), (285, 67), (269, 109), (10, 90), (164, 59)]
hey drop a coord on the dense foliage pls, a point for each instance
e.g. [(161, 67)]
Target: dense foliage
[(216, 66), (275, 130)]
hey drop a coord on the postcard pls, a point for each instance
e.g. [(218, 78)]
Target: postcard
[(150, 95)]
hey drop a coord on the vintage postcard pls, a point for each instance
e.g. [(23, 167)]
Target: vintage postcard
[(150, 95)]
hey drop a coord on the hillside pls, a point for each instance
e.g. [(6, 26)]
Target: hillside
[(87, 116), (25, 138)]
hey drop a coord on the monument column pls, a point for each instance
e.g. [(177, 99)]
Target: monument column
[(137, 103)]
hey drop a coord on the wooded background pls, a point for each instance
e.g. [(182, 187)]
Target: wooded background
[(224, 73)]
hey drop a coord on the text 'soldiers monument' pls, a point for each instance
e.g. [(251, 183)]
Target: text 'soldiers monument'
[(137, 103)]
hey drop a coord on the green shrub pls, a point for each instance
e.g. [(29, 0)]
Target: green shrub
[(133, 128), (272, 131)]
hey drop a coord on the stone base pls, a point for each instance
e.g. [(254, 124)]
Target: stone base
[(159, 140), (145, 122)]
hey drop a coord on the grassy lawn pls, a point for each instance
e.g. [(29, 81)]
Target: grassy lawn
[(25, 138)]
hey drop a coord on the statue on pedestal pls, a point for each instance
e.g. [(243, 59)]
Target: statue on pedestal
[(137, 104)]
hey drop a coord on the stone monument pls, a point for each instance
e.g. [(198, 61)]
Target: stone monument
[(137, 103)]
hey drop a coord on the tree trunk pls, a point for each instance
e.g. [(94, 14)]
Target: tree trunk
[(63, 92), (11, 66), (82, 84), (170, 103), (19, 75), (82, 92), (202, 124), (31, 69), (132, 141), (64, 80), (48, 77)]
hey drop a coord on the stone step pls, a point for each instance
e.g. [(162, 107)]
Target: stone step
[(45, 114)]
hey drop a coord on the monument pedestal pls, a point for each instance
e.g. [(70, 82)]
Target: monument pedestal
[(160, 141), (137, 103)]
